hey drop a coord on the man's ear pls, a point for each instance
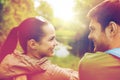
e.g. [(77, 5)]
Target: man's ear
[(32, 43), (113, 28)]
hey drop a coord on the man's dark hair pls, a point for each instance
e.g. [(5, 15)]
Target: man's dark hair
[(108, 10)]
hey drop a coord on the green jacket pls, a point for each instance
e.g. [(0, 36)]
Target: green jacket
[(99, 66)]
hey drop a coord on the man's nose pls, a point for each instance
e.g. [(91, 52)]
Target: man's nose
[(89, 36)]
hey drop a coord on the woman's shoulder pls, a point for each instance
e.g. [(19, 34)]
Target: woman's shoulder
[(9, 58)]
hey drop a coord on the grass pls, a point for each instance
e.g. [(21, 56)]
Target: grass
[(66, 62)]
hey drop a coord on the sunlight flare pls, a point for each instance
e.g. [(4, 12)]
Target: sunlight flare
[(63, 9)]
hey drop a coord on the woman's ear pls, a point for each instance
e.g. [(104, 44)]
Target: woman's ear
[(32, 43), (113, 28)]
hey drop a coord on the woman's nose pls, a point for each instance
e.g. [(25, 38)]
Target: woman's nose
[(56, 42)]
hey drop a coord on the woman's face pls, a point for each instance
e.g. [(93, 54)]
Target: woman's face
[(45, 47)]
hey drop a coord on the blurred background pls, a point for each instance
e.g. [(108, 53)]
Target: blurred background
[(68, 18)]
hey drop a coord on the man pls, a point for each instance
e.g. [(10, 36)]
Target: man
[(104, 27)]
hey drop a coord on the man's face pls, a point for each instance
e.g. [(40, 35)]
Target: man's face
[(98, 36)]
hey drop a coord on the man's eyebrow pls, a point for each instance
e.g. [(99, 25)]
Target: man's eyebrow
[(90, 26)]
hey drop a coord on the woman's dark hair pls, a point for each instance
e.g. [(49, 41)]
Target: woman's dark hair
[(31, 28)]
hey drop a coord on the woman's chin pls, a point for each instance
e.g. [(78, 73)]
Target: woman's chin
[(51, 54)]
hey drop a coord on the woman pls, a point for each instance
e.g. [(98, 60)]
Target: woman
[(36, 37)]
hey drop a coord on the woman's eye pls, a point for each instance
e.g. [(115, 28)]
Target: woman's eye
[(52, 38)]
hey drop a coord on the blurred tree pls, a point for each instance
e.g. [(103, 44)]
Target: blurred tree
[(14, 11), (45, 10), (1, 7), (80, 44), (1, 18)]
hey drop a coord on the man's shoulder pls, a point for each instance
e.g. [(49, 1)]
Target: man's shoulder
[(97, 58), (96, 55), (99, 63)]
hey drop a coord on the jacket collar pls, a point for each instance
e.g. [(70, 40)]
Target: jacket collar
[(36, 64)]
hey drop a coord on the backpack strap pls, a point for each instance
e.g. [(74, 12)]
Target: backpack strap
[(115, 52)]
